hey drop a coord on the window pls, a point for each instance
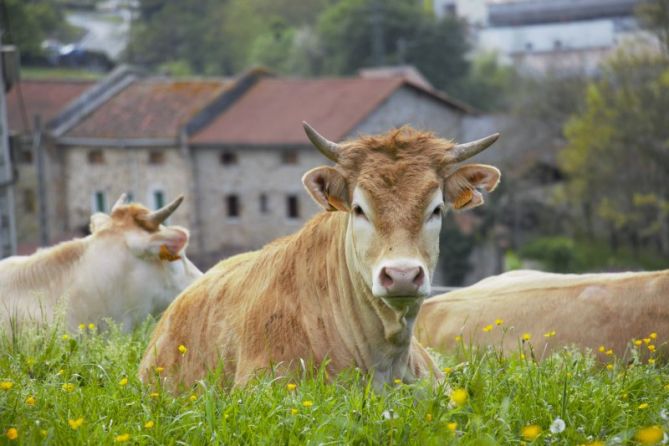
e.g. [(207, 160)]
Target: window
[(158, 198), (96, 157), (156, 157), (264, 204), (289, 157), (292, 206), (232, 203), (99, 202), (28, 201), (228, 158)]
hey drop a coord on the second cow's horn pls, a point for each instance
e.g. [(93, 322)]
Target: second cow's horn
[(162, 214), (466, 150), (325, 146)]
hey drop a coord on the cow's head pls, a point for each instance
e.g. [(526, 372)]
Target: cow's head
[(395, 188), (149, 255)]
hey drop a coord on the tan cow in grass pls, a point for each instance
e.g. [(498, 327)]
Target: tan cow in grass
[(587, 310), (347, 286), (131, 265)]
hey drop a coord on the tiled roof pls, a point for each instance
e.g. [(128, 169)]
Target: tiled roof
[(271, 112), (44, 97), (149, 108)]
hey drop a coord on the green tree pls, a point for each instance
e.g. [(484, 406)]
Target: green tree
[(617, 156)]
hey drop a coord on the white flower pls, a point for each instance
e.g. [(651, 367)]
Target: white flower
[(389, 414), (558, 426), (664, 414)]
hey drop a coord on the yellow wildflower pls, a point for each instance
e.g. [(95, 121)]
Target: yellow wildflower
[(182, 349), (452, 426), (82, 327), (530, 432), (609, 352), (68, 387), (625, 395), (646, 340), (651, 361), (122, 438), (154, 394), (397, 381), (653, 335), (66, 337), (666, 387), (60, 372), (428, 417), (526, 337), (549, 334), (487, 328), (307, 403), (293, 411), (609, 366), (6, 385), (458, 338), (448, 370), (43, 432), (291, 387), (12, 434), (649, 435), (638, 342), (123, 382), (459, 397), (499, 322), (193, 397), (601, 349), (651, 347), (159, 370), (149, 424), (643, 406), (522, 356), (75, 424), (30, 401), (91, 326)]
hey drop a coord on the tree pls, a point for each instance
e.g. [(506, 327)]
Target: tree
[(617, 156), (654, 16)]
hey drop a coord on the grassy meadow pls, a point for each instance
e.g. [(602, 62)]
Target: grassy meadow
[(58, 388)]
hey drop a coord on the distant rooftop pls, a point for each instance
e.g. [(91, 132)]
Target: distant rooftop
[(528, 12)]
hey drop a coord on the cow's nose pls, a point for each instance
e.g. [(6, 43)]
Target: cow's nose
[(402, 281)]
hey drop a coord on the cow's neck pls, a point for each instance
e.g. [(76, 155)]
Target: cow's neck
[(377, 336)]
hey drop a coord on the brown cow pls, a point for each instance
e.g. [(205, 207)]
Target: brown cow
[(131, 265), (347, 286), (587, 310)]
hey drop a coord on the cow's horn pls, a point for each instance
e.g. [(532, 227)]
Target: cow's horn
[(466, 150), (162, 214), (120, 201), (328, 148)]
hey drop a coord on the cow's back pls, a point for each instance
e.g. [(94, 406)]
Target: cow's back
[(588, 310)]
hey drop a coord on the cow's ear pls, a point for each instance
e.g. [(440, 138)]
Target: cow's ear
[(98, 220), (327, 186), (169, 243), (461, 188)]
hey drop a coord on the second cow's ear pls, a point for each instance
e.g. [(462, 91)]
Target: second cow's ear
[(461, 187), (327, 186)]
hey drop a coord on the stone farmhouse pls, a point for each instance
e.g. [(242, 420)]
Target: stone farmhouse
[(234, 147)]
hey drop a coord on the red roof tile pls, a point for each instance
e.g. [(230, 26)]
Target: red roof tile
[(46, 97), (149, 108), (271, 112)]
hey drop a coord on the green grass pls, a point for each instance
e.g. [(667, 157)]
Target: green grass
[(58, 73), (55, 381)]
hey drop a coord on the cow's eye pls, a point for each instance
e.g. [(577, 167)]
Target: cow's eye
[(358, 212), (437, 211)]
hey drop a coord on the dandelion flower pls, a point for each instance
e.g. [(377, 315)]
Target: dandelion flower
[(653, 335), (193, 397), (601, 349), (638, 342), (448, 370), (452, 426), (122, 438), (649, 435), (293, 411), (651, 361), (651, 347), (609, 367), (307, 403), (549, 334), (182, 349), (487, 328), (291, 387), (66, 337), (68, 387), (91, 326), (154, 394), (526, 337), (609, 352), (30, 401), (123, 382), (458, 338), (12, 434), (557, 426), (522, 356), (159, 370), (75, 424), (82, 327), (459, 397), (6, 385), (149, 424), (428, 417), (530, 432), (646, 340), (643, 406), (499, 322)]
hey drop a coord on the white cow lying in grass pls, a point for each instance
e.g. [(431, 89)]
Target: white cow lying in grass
[(131, 265), (603, 312)]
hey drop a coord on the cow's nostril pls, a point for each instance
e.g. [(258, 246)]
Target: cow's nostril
[(419, 278), (386, 279)]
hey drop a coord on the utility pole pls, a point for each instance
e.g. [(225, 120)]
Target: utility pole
[(38, 151), (7, 218)]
